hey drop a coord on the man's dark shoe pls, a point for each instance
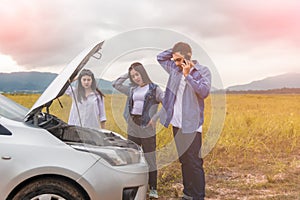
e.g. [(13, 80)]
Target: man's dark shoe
[(186, 197)]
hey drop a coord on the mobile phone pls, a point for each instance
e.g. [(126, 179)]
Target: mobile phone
[(184, 61)]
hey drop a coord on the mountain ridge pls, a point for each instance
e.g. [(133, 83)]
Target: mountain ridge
[(287, 80), (37, 82)]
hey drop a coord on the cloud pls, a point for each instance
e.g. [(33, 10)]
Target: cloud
[(41, 35), (270, 20), (47, 33)]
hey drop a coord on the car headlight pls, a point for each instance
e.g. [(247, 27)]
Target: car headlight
[(115, 156)]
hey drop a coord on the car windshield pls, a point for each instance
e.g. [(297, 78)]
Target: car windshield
[(11, 109)]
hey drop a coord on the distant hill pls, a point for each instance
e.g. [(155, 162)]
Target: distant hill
[(290, 80), (32, 82), (35, 82), (105, 86), (273, 91)]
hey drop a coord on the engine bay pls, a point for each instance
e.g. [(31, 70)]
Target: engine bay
[(76, 134)]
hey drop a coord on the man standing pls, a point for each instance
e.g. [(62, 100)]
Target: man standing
[(188, 85)]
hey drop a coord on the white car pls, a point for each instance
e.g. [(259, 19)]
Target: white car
[(44, 158)]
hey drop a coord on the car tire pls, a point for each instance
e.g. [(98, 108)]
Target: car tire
[(49, 188)]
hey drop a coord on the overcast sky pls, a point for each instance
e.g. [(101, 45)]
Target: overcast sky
[(246, 39)]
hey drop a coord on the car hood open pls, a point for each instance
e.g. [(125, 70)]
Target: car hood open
[(59, 85)]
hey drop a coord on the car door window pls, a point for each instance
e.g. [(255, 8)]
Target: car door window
[(4, 131)]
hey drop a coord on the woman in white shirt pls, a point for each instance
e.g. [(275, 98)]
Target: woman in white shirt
[(87, 108)]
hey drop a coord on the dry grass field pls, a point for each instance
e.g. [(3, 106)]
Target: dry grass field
[(256, 157)]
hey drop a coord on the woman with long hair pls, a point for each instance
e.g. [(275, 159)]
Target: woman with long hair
[(87, 108), (143, 99)]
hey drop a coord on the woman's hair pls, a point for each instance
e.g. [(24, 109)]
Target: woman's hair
[(81, 90), (139, 68)]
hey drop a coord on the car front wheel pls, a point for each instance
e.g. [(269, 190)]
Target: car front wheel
[(49, 189)]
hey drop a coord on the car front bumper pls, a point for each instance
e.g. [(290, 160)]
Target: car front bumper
[(116, 182)]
